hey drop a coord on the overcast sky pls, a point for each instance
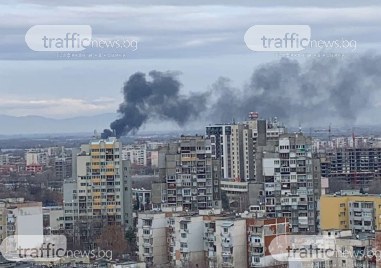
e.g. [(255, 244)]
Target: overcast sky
[(202, 39)]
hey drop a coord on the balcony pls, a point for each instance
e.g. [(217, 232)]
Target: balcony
[(226, 244), (149, 254), (225, 235), (184, 231), (226, 253), (147, 245), (147, 235), (256, 244), (256, 252), (184, 250), (256, 264), (186, 219), (212, 255)]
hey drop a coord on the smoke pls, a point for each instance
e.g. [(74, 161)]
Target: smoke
[(317, 91), (156, 98), (106, 133)]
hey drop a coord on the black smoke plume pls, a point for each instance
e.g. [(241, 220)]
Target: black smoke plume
[(317, 91), (106, 133), (156, 98)]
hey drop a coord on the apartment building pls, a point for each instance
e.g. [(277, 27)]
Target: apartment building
[(4, 159), (3, 221), (63, 168), (141, 198), (237, 193), (351, 210), (235, 144), (189, 246), (220, 139), (20, 217), (207, 239), (153, 159), (342, 249), (152, 239), (358, 167), (36, 157), (136, 154), (242, 153), (191, 177), (291, 181), (171, 239), (261, 232), (101, 192), (231, 243), (53, 220)]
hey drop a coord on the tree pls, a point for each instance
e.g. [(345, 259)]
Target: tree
[(137, 202), (225, 200), (131, 240), (113, 238)]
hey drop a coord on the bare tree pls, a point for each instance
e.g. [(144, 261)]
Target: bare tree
[(112, 238)]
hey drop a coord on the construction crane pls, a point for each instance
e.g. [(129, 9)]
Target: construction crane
[(324, 130), (354, 180)]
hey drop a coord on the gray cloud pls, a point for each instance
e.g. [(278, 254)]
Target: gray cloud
[(172, 31)]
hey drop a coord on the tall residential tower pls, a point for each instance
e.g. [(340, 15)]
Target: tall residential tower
[(100, 193)]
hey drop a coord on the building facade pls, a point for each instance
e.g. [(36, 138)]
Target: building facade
[(191, 177), (207, 239), (101, 192), (351, 210), (291, 182)]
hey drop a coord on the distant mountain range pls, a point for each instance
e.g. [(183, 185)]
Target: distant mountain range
[(25, 125)]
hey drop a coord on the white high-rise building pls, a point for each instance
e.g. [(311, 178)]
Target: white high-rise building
[(235, 145)]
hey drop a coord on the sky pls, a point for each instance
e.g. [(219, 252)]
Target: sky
[(204, 40)]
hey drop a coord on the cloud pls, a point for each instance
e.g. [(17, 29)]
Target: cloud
[(184, 30), (57, 108)]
